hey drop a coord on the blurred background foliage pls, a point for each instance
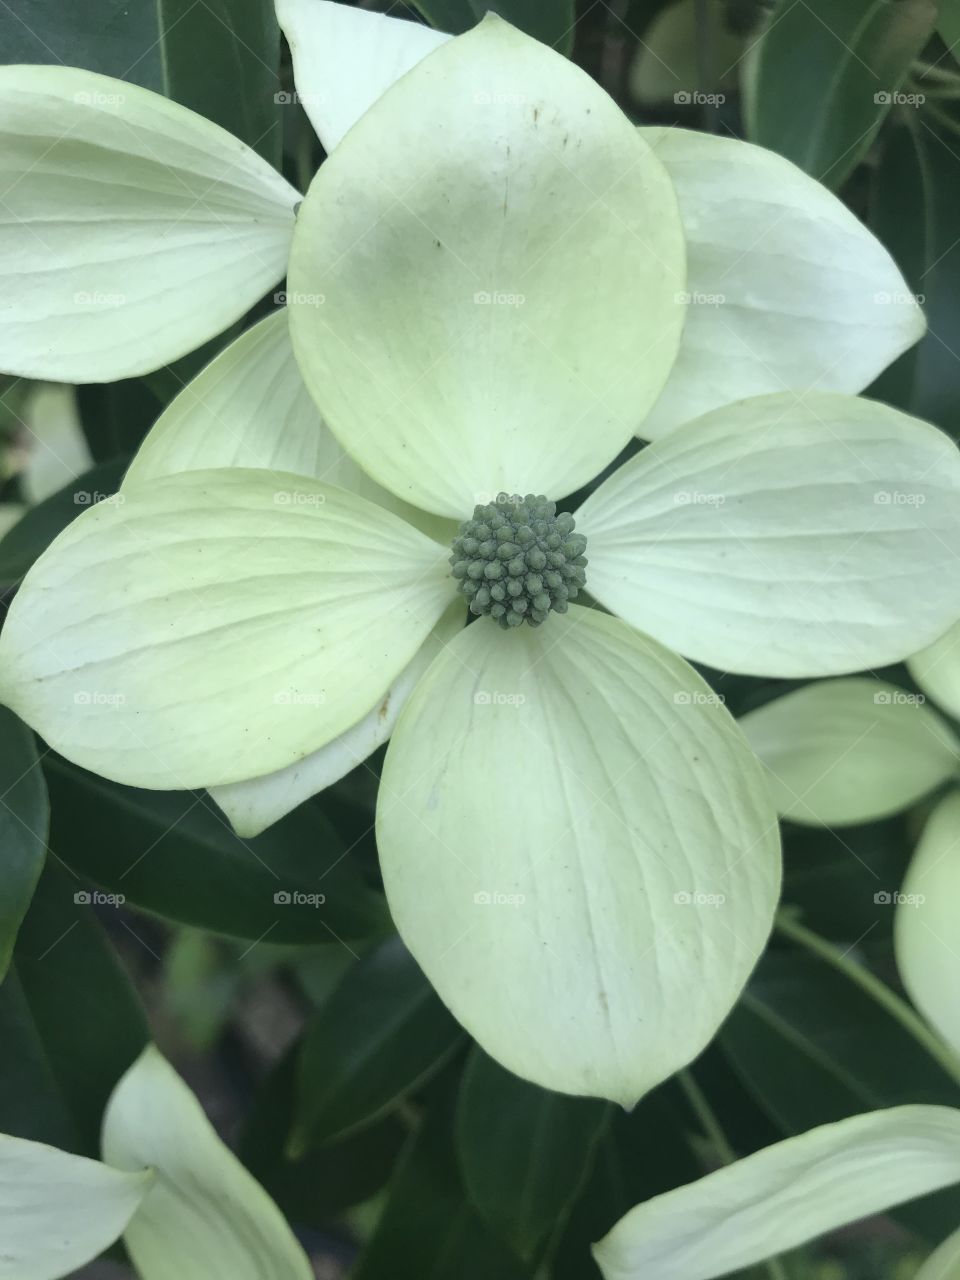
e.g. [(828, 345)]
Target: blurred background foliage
[(397, 1148)]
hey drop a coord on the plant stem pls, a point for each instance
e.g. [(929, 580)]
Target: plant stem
[(714, 1133), (704, 1112), (898, 1008)]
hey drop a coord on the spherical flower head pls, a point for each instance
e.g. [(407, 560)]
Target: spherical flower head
[(516, 559)]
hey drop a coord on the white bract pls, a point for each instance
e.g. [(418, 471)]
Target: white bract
[(186, 1207), (495, 283), (858, 750), (787, 1194), (852, 750)]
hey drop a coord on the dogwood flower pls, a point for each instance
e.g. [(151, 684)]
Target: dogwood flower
[(495, 282), (183, 1202)]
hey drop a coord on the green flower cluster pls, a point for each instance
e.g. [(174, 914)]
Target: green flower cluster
[(516, 559)]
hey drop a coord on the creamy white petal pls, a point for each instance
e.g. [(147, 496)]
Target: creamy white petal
[(937, 670), (925, 933), (205, 1217), (249, 407), (59, 1211), (56, 448), (784, 537), (787, 288), (576, 842), (213, 626), (254, 805), (465, 277), (134, 229), (344, 59), (784, 1195), (851, 750)]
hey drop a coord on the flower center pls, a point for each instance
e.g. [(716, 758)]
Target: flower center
[(516, 559)]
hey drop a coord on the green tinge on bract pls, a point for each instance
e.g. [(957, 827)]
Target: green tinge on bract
[(344, 59), (925, 930), (579, 850), (467, 272), (783, 537), (937, 670), (141, 229), (204, 1217), (256, 804), (854, 750), (787, 287), (59, 1211), (214, 626), (784, 1195)]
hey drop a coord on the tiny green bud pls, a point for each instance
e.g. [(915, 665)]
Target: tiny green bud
[(515, 559)]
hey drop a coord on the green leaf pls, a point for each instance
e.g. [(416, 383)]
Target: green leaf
[(915, 197), (38, 527), (172, 854), (327, 1179), (822, 77), (549, 21), (219, 58), (428, 1229), (109, 36), (835, 877), (70, 1022), (948, 24), (24, 824), (641, 1154), (813, 1047), (382, 1033), (524, 1151)]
